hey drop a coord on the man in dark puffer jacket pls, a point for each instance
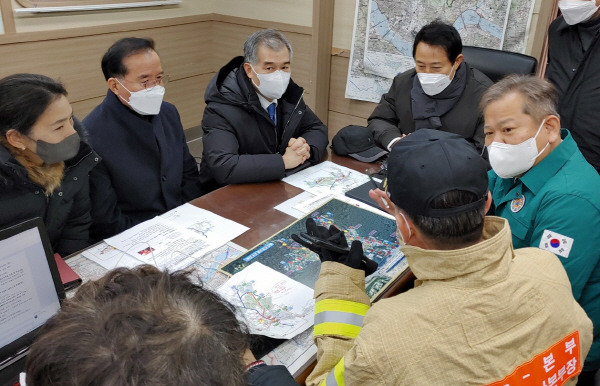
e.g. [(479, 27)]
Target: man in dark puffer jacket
[(256, 125)]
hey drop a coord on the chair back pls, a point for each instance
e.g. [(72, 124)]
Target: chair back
[(496, 64)]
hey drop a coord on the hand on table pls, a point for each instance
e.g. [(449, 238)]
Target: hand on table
[(296, 153)]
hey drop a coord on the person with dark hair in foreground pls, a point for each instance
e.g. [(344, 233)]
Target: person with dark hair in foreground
[(44, 161), (481, 313), (146, 167), (440, 93), (146, 327)]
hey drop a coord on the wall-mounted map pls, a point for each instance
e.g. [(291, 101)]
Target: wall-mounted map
[(384, 32)]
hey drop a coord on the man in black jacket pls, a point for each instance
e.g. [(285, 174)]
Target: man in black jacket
[(256, 125), (573, 63), (441, 93), (146, 166)]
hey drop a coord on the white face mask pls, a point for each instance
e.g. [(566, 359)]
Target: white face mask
[(576, 12), (514, 160), (399, 234), (147, 101), (434, 84), (272, 85)]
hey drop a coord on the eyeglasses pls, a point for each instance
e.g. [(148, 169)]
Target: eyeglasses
[(149, 83)]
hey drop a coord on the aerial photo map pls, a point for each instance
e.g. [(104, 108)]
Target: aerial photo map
[(376, 232)]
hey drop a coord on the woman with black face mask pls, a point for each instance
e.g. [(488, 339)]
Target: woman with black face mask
[(44, 164)]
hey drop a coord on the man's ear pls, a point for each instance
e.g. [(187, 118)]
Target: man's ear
[(458, 61), (488, 202), (112, 85), (552, 126), (248, 70), (15, 138)]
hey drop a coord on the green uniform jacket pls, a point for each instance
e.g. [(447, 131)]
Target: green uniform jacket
[(556, 206)]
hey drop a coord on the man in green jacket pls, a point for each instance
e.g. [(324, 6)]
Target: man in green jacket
[(544, 187)]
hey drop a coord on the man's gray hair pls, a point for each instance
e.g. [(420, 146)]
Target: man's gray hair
[(540, 96), (271, 38)]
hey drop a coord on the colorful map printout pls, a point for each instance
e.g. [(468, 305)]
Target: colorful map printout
[(270, 303), (376, 232)]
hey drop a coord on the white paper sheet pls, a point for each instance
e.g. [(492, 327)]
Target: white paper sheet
[(162, 243), (290, 206), (109, 257), (269, 302), (327, 178), (296, 353), (213, 228)]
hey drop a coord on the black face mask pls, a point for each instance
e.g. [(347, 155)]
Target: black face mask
[(52, 153)]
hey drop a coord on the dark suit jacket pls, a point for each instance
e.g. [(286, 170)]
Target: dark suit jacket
[(146, 166)]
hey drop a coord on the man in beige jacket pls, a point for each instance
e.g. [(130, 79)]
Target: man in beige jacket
[(481, 313)]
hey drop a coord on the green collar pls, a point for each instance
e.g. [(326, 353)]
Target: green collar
[(537, 176)]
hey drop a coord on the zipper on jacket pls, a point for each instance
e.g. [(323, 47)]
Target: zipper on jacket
[(290, 118)]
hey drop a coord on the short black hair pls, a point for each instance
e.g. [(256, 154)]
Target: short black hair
[(112, 61), (442, 35), (24, 98), (456, 231)]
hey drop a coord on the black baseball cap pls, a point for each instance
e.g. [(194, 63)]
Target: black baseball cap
[(358, 143), (428, 163)]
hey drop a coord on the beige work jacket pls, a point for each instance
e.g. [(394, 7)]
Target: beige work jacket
[(476, 315)]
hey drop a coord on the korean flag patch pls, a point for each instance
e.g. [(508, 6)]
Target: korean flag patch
[(556, 243)]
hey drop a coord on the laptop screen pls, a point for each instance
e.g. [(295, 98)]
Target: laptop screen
[(30, 286)]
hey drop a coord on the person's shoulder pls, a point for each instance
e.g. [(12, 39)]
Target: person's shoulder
[(539, 264), (576, 182), (557, 24), (168, 108), (96, 118), (405, 76), (480, 80)]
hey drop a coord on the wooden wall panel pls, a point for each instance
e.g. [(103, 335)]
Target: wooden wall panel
[(343, 111), (192, 49), (76, 60), (188, 96), (337, 101), (82, 108), (337, 120)]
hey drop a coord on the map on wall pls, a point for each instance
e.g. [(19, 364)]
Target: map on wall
[(376, 232), (384, 32)]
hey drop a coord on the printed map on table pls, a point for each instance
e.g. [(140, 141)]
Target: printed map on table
[(206, 268), (384, 32), (376, 232), (326, 178), (296, 353), (271, 303)]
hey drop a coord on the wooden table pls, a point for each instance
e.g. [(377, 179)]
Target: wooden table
[(253, 206)]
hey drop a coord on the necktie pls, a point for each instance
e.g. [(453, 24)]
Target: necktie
[(271, 111)]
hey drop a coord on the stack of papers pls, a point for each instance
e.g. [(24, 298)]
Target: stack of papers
[(184, 237)]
